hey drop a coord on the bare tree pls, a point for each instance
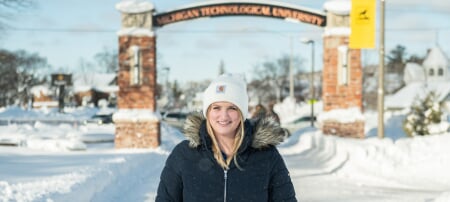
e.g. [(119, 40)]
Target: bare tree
[(87, 71), (275, 73), (9, 7), (8, 77), (19, 71), (14, 4), (107, 60), (191, 89), (31, 70), (177, 92), (263, 91)]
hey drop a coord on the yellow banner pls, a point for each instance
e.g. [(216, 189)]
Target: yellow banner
[(362, 24)]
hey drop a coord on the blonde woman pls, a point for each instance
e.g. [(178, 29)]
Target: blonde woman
[(227, 157)]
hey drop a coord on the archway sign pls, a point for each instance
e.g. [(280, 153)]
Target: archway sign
[(241, 8), (137, 121)]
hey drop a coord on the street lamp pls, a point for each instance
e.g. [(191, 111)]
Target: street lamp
[(310, 41), (291, 70), (167, 69)]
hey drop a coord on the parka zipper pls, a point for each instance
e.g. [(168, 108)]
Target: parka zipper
[(225, 177)]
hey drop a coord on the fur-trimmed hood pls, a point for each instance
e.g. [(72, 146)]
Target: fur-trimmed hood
[(263, 133)]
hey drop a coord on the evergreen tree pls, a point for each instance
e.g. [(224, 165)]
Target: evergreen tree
[(222, 68), (396, 60), (423, 114)]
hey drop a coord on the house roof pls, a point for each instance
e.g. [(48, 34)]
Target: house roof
[(436, 58), (98, 81), (406, 96), (413, 72), (39, 90)]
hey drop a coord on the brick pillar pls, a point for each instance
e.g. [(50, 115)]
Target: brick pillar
[(342, 78), (137, 124), (335, 95)]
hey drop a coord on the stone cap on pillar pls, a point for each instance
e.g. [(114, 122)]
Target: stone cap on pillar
[(338, 7), (338, 17), (134, 6), (137, 18)]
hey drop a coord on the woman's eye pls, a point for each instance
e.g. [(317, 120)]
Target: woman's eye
[(233, 108)]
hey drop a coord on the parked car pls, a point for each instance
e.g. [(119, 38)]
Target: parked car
[(301, 122), (100, 119), (175, 119), (175, 116)]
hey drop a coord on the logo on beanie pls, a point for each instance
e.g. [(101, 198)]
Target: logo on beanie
[(220, 88)]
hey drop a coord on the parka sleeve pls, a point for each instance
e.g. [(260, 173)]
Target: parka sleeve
[(170, 188), (281, 187)]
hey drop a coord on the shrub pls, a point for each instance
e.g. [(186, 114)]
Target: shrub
[(422, 115)]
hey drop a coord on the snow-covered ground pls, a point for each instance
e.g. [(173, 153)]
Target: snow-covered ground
[(53, 162)]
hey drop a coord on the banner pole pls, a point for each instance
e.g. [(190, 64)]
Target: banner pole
[(381, 73)]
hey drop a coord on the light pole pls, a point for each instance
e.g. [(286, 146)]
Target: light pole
[(291, 70), (167, 69), (310, 41), (166, 90)]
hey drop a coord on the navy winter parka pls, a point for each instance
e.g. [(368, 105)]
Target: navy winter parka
[(191, 173)]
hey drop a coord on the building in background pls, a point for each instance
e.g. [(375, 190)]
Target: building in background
[(432, 75)]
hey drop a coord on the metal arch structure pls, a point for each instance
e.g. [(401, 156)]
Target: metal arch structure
[(271, 9)]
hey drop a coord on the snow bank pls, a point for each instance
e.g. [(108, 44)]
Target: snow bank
[(408, 163)]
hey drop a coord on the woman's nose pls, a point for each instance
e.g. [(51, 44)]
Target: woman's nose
[(224, 113)]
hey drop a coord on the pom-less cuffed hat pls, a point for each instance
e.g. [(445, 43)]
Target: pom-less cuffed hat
[(230, 88)]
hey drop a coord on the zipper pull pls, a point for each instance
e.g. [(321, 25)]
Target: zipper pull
[(225, 177)]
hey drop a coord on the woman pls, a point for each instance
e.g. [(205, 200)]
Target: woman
[(225, 156)]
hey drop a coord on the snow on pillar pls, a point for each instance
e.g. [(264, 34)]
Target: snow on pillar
[(342, 75), (137, 123)]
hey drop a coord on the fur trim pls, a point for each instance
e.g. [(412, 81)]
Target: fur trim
[(192, 128), (267, 132)]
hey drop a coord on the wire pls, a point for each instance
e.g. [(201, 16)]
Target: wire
[(59, 30), (67, 30)]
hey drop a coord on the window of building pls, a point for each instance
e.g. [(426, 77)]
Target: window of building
[(343, 65), (440, 71), (135, 65), (431, 72)]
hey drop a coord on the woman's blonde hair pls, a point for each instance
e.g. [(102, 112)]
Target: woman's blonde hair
[(238, 139)]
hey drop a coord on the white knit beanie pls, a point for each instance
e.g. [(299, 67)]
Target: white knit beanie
[(230, 88)]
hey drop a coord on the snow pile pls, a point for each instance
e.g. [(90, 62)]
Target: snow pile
[(349, 115), (47, 129), (289, 110), (408, 163)]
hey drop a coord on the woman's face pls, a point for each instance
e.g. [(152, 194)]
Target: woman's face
[(224, 118)]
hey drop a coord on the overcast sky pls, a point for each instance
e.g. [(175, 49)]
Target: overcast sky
[(66, 31)]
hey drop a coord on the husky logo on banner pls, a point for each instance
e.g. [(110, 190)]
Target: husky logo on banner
[(362, 24)]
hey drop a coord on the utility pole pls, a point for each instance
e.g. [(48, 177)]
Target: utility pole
[(381, 74), (313, 89), (291, 71), (310, 41)]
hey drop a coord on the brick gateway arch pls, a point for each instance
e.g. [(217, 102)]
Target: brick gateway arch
[(138, 125)]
